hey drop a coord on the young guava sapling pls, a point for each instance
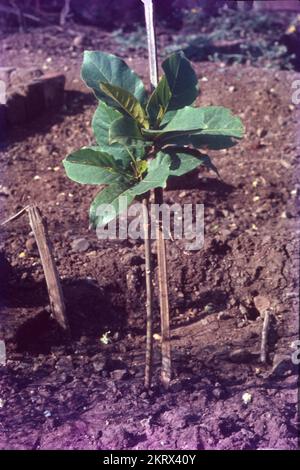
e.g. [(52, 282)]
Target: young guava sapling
[(143, 139)]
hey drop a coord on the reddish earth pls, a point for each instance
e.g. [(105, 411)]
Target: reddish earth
[(77, 393)]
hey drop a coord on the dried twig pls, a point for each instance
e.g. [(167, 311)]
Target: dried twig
[(264, 337), (51, 275), (15, 216), (64, 13)]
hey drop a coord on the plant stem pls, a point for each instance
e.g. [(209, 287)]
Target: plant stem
[(166, 366), (158, 196), (149, 294)]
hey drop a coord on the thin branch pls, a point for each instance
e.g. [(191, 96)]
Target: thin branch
[(15, 216), (64, 13), (264, 337)]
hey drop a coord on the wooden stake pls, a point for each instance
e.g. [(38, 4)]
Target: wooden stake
[(149, 295), (158, 196), (51, 275), (166, 366)]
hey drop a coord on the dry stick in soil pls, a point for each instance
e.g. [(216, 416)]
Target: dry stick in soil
[(52, 279), (149, 294), (264, 337), (158, 199)]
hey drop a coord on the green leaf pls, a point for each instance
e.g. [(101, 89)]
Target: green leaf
[(92, 166), (176, 89), (206, 142), (181, 79), (211, 120), (185, 121), (219, 121), (126, 102), (158, 101), (99, 67), (184, 160), (158, 172), (124, 130), (103, 118), (110, 196)]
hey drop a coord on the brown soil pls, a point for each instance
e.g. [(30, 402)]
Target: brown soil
[(69, 393)]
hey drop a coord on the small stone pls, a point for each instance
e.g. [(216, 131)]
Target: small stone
[(262, 303), (261, 132), (247, 398), (240, 356), (78, 40), (30, 244), (282, 364), (80, 245), (223, 316), (99, 362), (119, 374), (243, 310), (218, 393)]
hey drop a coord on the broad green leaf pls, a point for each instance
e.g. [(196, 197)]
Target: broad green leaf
[(110, 196), (126, 102), (158, 172), (103, 118), (125, 130), (158, 101), (99, 67), (181, 79), (184, 160), (211, 120), (219, 121), (206, 142), (91, 166), (176, 89), (186, 120)]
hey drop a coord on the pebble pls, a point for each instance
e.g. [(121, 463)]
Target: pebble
[(262, 304), (218, 393), (80, 245), (240, 355), (282, 364), (78, 40), (30, 244), (223, 316), (119, 374), (99, 362)]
